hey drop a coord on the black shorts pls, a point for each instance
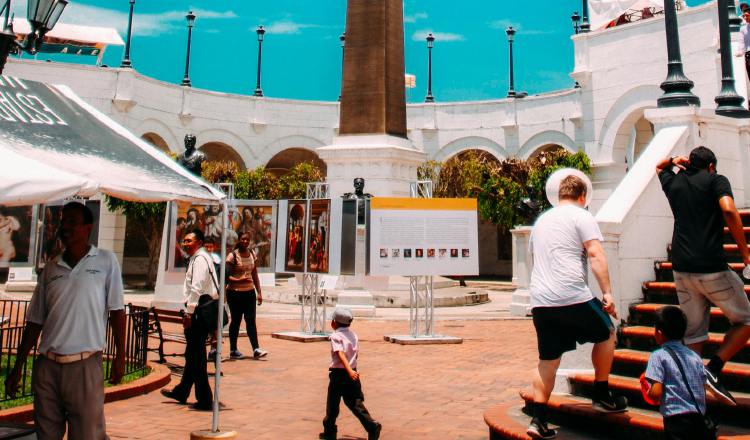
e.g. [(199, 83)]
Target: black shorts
[(558, 329)]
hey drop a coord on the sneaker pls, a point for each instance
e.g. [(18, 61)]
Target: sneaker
[(610, 403), (540, 430), (170, 394), (235, 354), (212, 355), (324, 436), (259, 353), (375, 433), (717, 389)]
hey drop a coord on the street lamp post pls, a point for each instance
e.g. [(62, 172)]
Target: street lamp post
[(510, 32), (126, 59), (585, 25), (676, 86), (342, 40), (430, 44), (42, 16), (576, 19), (190, 22), (261, 32), (729, 103)]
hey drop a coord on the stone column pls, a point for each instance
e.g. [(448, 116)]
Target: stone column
[(521, 301)]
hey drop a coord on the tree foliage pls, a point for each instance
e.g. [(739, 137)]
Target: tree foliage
[(150, 218), (508, 192), (260, 184)]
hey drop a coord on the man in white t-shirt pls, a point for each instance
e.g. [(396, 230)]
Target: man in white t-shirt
[(565, 311)]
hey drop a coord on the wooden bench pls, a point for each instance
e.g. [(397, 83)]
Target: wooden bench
[(157, 317)]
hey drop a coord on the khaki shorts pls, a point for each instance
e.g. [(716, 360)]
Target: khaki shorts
[(696, 292)]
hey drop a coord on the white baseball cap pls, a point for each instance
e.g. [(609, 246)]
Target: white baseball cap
[(552, 187)]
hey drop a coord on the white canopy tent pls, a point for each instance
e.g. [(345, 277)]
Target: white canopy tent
[(602, 12), (20, 173), (74, 39), (53, 145)]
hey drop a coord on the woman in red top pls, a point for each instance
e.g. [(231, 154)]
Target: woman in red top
[(242, 293)]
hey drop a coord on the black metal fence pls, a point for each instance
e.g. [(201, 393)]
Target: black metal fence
[(13, 320)]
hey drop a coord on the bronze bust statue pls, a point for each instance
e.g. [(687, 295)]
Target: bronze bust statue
[(191, 158), (359, 190)]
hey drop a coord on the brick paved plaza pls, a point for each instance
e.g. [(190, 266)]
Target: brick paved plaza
[(417, 392)]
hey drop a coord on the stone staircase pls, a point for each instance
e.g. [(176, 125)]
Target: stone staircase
[(573, 412)]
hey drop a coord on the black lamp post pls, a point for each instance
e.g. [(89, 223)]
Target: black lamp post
[(261, 32), (729, 103), (734, 20), (126, 59), (42, 16), (510, 32), (585, 25), (190, 22), (342, 40), (676, 86), (430, 45), (576, 19)]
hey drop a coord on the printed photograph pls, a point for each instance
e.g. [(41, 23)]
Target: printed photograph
[(430, 253), (454, 253), (396, 253), (249, 217), (295, 236), (407, 253), (383, 253), (50, 246), (442, 253), (15, 234), (319, 236), (465, 253), (419, 253)]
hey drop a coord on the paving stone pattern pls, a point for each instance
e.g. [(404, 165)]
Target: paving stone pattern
[(416, 392)]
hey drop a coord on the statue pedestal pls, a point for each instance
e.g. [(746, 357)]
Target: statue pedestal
[(521, 300), (387, 163)]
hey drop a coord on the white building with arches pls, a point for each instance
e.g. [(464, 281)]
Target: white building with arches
[(619, 71)]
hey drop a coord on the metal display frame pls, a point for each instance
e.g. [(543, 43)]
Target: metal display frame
[(312, 315), (421, 304)]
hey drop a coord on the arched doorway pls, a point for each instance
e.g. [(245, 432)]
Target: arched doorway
[(219, 151), (283, 161), (157, 141), (549, 148), (632, 137)]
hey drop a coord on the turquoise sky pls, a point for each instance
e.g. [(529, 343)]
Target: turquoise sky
[(301, 52)]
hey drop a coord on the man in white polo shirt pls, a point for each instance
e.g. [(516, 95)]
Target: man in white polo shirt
[(75, 295)]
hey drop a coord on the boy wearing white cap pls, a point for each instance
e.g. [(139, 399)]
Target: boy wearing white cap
[(344, 379)]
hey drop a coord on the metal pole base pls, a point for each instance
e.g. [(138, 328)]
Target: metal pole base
[(677, 89), (729, 103), (429, 98), (209, 435), (126, 64), (511, 94), (258, 92), (186, 82)]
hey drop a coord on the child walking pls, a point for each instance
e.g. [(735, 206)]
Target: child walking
[(675, 379), (344, 379)]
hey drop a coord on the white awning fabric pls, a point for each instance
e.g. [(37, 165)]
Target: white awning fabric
[(85, 149), (74, 33), (601, 12)]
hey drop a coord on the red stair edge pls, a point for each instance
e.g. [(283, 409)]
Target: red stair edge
[(632, 385), (669, 285), (648, 332), (641, 358), (499, 422), (628, 418), (653, 307), (576, 408), (667, 265)]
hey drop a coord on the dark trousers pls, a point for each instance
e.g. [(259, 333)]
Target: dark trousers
[(686, 427), (342, 386), (242, 304), (195, 372)]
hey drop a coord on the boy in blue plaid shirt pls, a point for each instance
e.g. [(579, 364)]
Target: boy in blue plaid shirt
[(683, 408)]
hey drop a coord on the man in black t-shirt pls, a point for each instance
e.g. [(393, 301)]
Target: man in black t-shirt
[(702, 202)]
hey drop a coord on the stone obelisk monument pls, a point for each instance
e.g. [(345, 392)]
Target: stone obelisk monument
[(372, 141)]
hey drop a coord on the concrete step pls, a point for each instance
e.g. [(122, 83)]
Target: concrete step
[(736, 376), (664, 292), (583, 385), (642, 338), (576, 413), (645, 314), (663, 270)]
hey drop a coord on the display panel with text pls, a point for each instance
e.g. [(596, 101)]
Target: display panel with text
[(423, 237)]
